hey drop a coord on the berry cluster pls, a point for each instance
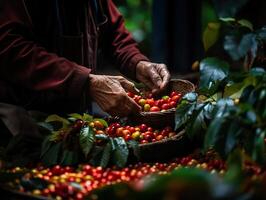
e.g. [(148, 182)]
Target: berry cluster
[(70, 183), (142, 133), (150, 104)]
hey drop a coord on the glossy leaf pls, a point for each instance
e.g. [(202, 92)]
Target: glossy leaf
[(258, 153), (212, 71), (211, 34), (46, 145), (50, 157), (190, 97), (246, 23), (106, 155), (196, 122), (87, 117), (86, 139), (56, 118), (69, 158), (238, 48), (235, 163), (135, 146), (75, 116), (102, 137), (121, 152), (232, 136), (213, 133), (182, 114)]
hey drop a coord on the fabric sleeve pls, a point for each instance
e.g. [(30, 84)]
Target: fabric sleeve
[(26, 64)]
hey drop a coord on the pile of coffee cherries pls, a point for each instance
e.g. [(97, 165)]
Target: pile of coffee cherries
[(142, 133), (150, 104), (70, 183)]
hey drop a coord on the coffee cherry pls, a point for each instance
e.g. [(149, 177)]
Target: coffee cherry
[(147, 107), (154, 109), (98, 125), (142, 102), (136, 135)]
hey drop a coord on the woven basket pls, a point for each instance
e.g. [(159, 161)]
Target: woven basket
[(164, 118), (163, 150)]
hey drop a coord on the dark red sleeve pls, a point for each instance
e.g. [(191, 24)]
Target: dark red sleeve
[(26, 64), (125, 48)]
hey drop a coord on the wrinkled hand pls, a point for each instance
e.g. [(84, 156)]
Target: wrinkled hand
[(153, 75), (109, 92)]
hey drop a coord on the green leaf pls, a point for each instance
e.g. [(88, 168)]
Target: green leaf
[(238, 48), (235, 90), (69, 158), (56, 118), (212, 71), (103, 122), (258, 153), (183, 113), (246, 93), (86, 117), (213, 133), (120, 153), (106, 155), (222, 107), (86, 139), (46, 145), (102, 137), (96, 155), (190, 97), (211, 34), (50, 157), (233, 132), (196, 122), (235, 163), (75, 116), (135, 146), (246, 23)]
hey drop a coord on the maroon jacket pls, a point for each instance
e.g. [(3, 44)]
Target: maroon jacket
[(49, 47)]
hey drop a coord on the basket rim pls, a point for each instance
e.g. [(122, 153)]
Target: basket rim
[(193, 88), (176, 137), (158, 113)]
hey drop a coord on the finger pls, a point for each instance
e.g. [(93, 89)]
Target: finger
[(133, 106), (148, 83), (129, 86), (154, 76), (165, 76)]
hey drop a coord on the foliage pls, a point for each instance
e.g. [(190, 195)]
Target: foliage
[(69, 145), (228, 123), (236, 42), (138, 18)]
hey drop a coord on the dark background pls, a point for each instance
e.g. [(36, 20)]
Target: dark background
[(170, 31)]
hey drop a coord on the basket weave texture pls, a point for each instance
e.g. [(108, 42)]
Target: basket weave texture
[(164, 118)]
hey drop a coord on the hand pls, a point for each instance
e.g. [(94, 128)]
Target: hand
[(153, 75), (109, 92)]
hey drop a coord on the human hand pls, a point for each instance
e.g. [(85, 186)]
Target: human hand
[(109, 92), (153, 75)]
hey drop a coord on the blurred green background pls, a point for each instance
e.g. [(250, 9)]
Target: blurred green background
[(170, 31), (138, 17)]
